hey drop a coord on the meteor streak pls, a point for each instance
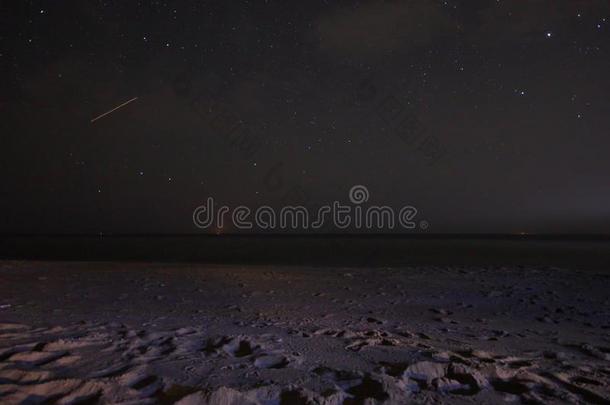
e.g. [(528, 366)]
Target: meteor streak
[(113, 110)]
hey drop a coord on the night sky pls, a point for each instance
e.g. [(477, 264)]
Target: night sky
[(488, 116)]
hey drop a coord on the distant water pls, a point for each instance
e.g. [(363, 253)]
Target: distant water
[(325, 250)]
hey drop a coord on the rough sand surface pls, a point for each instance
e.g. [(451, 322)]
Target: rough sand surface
[(198, 334)]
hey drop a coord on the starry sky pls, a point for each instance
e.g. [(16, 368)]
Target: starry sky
[(488, 116)]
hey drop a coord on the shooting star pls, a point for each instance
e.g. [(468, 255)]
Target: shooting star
[(113, 110)]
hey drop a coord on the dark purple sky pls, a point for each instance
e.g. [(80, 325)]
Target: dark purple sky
[(488, 116)]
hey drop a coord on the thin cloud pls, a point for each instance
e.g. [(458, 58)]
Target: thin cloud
[(378, 27)]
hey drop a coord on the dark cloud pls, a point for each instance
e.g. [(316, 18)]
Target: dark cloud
[(378, 27)]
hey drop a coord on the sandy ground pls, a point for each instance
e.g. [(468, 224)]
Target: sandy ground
[(199, 334)]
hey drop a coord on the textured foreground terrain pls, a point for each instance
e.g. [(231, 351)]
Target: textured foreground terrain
[(198, 334)]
